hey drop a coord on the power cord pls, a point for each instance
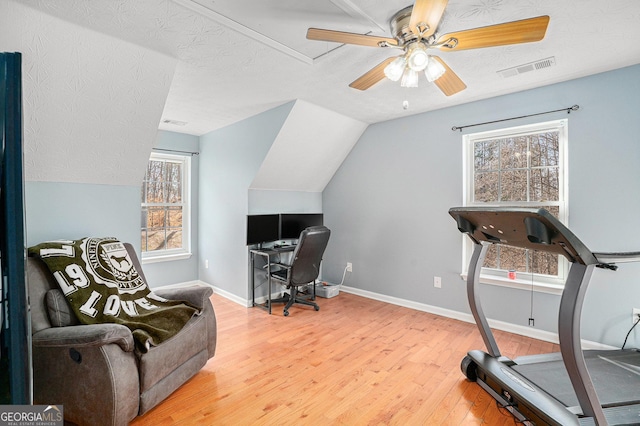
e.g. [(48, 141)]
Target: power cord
[(630, 330), (343, 275)]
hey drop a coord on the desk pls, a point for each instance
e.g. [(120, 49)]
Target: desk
[(267, 253)]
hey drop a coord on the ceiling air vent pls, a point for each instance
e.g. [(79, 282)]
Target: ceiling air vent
[(531, 66), (174, 122)]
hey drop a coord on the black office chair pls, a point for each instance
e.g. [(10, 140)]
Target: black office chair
[(304, 267)]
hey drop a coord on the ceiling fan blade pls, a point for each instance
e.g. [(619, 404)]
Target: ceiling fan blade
[(350, 38), (372, 76), (449, 82), (524, 31), (429, 13)]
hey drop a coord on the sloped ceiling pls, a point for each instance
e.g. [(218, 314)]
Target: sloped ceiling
[(91, 101), (308, 150), (102, 75), (228, 71)]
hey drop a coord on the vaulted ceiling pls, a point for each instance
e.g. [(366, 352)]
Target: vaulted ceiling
[(236, 58)]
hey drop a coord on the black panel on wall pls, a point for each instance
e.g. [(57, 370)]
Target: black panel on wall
[(15, 336)]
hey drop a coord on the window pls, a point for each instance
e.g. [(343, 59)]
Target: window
[(519, 167), (165, 208)]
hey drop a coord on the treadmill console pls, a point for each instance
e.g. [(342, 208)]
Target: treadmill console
[(528, 228)]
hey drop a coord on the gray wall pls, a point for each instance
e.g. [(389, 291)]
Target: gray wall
[(263, 202), (61, 210), (229, 160), (179, 271), (387, 204)]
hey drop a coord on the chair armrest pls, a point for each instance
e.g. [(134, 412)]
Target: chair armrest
[(195, 295), (85, 336), (281, 265)]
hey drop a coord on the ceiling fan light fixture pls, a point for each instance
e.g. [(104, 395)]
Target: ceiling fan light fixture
[(418, 58), (394, 70), (434, 70), (409, 78)]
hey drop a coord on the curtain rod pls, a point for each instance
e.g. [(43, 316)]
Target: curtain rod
[(175, 150), (568, 110)]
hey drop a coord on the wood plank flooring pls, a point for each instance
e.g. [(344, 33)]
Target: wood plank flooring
[(355, 362)]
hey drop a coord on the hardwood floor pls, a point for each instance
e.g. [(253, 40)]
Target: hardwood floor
[(355, 362)]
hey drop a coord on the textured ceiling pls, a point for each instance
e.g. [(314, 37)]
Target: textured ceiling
[(90, 114), (226, 73)]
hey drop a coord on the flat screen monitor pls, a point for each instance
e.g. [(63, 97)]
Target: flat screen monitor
[(262, 228), (292, 224)]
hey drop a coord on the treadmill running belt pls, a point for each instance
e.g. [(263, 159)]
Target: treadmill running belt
[(615, 375)]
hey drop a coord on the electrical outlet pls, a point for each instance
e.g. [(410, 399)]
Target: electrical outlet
[(437, 282), (349, 267), (636, 315), (206, 264)]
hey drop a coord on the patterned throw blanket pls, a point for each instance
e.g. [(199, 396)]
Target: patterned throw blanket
[(102, 285)]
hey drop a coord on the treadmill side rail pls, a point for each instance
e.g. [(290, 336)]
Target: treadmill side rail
[(521, 390)]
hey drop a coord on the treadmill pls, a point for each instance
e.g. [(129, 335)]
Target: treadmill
[(572, 387)]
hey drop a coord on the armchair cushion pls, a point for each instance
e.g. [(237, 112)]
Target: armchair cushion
[(60, 313)]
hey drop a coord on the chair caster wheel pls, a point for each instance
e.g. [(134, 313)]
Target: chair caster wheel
[(286, 313), (317, 308)]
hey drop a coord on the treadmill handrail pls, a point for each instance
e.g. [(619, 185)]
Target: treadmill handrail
[(619, 257)]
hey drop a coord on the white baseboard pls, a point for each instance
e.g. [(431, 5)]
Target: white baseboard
[(227, 295), (526, 331), (184, 284)]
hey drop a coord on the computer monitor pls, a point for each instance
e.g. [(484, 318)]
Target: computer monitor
[(262, 228), (292, 224)]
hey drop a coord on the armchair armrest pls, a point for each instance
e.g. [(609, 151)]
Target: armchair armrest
[(196, 295), (84, 336), (91, 369)]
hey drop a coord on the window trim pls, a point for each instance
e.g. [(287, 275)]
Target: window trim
[(184, 252), (528, 281)]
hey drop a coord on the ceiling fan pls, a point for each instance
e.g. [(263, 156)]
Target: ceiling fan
[(414, 30)]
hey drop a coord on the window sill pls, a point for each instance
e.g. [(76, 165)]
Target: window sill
[(165, 258), (520, 284)]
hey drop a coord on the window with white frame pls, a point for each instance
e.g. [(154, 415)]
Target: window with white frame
[(165, 208), (521, 166)]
